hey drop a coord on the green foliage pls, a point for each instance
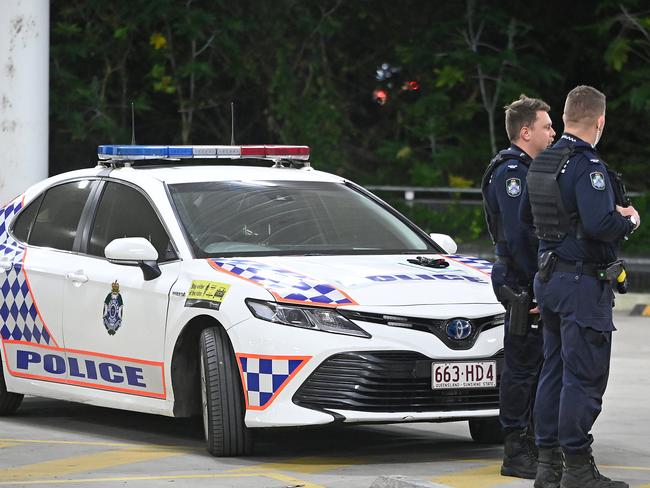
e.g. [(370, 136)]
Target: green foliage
[(448, 76), (617, 53), (303, 73)]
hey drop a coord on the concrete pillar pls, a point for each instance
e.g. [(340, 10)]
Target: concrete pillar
[(24, 94)]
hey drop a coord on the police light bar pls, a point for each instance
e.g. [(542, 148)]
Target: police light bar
[(133, 153)]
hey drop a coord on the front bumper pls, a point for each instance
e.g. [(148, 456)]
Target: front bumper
[(316, 378), (388, 381)]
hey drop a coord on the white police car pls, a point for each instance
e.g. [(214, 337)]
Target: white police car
[(257, 296)]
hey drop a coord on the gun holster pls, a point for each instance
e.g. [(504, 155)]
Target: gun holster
[(519, 307), (546, 266)]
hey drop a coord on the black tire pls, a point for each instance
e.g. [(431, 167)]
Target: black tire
[(486, 430), (222, 396), (9, 402)]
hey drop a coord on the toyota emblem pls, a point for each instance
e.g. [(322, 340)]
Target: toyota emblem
[(459, 329)]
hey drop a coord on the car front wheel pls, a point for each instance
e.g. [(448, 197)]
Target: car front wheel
[(9, 402), (222, 396), (486, 430)]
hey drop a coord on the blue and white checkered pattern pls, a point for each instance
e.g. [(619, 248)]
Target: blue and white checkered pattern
[(284, 284), (477, 263), (19, 319), (265, 376)]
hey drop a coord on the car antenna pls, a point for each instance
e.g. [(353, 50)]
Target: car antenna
[(232, 123), (132, 125)]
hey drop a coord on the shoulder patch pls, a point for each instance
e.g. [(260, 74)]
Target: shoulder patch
[(597, 180), (513, 187)]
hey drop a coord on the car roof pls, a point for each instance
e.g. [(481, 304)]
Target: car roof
[(173, 174), (193, 174)]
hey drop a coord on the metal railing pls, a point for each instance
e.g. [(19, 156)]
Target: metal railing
[(410, 194)]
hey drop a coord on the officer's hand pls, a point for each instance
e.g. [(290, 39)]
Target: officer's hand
[(534, 310), (629, 212)]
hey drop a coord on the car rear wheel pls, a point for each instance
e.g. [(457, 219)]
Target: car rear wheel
[(486, 430), (222, 396), (9, 402)]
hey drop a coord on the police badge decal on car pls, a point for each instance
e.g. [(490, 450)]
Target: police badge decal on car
[(113, 305)]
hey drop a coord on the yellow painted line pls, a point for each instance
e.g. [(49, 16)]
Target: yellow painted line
[(304, 465), (172, 477), (293, 481), (99, 444), (81, 464), (482, 477)]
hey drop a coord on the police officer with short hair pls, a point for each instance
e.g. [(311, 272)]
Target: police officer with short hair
[(580, 226), (530, 131)]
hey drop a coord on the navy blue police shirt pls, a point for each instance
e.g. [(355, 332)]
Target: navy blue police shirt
[(586, 188), (504, 193)]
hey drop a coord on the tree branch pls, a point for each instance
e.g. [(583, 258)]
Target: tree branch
[(635, 23)]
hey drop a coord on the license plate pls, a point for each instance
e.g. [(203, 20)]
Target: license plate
[(475, 374)]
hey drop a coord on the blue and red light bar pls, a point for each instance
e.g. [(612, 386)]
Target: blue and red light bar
[(132, 153)]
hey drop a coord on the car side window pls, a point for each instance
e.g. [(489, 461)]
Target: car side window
[(58, 216), (124, 212), (23, 224)]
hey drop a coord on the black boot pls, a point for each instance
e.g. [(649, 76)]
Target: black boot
[(549, 468), (518, 457), (530, 439), (580, 471)]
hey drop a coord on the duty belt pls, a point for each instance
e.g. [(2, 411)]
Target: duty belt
[(586, 269)]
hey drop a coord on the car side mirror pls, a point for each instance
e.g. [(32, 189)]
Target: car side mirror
[(134, 251), (445, 242)]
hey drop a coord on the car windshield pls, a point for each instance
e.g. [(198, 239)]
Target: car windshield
[(226, 218)]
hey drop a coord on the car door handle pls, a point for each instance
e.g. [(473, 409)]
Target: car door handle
[(77, 277), (6, 265)]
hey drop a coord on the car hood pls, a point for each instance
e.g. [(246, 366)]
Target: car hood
[(366, 280)]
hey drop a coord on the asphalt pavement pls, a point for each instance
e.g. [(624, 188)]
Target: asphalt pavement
[(56, 443)]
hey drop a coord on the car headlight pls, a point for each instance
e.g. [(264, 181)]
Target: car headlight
[(315, 318)]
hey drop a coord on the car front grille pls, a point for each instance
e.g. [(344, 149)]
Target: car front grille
[(437, 327), (388, 381)]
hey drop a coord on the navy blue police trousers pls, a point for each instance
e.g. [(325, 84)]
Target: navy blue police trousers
[(523, 360), (577, 316)]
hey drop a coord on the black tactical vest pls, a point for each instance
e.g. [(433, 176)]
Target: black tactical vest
[(493, 215), (552, 221)]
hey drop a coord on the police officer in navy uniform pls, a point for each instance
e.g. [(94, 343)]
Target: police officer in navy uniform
[(580, 227), (529, 129)]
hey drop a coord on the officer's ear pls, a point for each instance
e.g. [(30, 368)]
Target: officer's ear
[(524, 133), (600, 123)]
